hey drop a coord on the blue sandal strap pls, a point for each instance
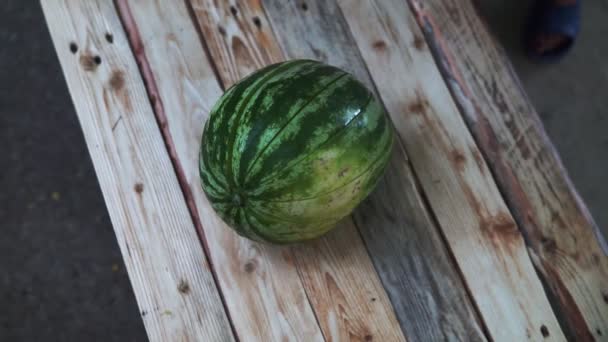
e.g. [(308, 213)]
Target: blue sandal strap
[(549, 18)]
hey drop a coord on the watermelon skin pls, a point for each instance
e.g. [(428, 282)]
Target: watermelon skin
[(291, 149)]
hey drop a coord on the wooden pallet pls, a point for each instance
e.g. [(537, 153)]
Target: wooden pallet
[(474, 233)]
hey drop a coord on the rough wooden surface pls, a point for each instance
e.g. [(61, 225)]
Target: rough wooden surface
[(263, 293), (427, 293), (338, 276), (452, 259), (560, 233), (480, 231), (170, 276)]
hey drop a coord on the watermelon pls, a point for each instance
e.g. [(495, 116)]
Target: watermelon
[(291, 149)]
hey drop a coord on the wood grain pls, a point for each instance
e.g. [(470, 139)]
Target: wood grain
[(428, 295), (337, 273), (171, 279), (565, 243), (261, 287), (476, 222)]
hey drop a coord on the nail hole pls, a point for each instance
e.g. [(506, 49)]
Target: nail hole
[(257, 22), (221, 30), (139, 188), (544, 331), (183, 286), (233, 10), (109, 38), (304, 6), (73, 47), (249, 267), (97, 60), (599, 332), (418, 42), (379, 45)]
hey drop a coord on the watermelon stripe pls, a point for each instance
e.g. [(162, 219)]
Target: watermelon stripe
[(357, 177), (259, 207), (305, 157), (248, 230), (217, 198), (282, 236), (213, 184), (258, 231), (318, 122), (204, 165), (281, 230), (223, 116), (214, 133), (331, 165), (247, 94), (291, 149), (282, 129), (231, 217), (264, 116)]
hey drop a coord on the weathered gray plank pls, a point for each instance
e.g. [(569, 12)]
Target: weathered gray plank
[(482, 234), (562, 237), (406, 248)]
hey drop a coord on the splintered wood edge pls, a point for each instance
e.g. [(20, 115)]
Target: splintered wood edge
[(398, 230), (454, 176), (526, 166), (166, 264), (240, 41)]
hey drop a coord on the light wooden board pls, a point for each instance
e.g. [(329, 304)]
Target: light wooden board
[(340, 281), (428, 295), (263, 276), (261, 286), (171, 279), (557, 226), (440, 235), (482, 235)]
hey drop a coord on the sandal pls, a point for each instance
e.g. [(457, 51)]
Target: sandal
[(552, 28)]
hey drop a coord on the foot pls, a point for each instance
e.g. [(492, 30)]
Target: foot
[(552, 28)]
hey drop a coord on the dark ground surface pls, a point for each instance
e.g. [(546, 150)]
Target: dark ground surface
[(62, 274)]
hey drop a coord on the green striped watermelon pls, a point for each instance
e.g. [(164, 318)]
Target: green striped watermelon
[(291, 149)]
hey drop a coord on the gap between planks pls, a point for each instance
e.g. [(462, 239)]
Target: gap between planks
[(565, 245), (137, 46), (397, 228), (166, 264), (471, 211), (341, 250), (337, 272), (159, 17)]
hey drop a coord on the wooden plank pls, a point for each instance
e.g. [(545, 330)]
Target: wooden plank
[(400, 235), (482, 235), (263, 293), (167, 266), (565, 242), (339, 278)]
